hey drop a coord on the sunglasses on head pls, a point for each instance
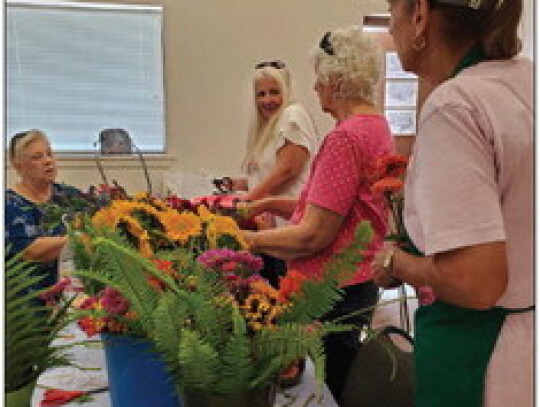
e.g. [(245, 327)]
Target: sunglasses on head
[(326, 45), (274, 64), (14, 141)]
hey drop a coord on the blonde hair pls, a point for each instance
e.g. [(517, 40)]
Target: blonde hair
[(20, 141), (353, 66), (261, 131)]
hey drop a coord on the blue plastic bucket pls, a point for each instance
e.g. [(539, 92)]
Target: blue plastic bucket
[(137, 377)]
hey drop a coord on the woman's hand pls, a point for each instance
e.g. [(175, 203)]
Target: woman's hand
[(236, 184), (253, 208), (382, 267)]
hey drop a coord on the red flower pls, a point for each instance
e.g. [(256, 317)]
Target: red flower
[(57, 397), (163, 265), (388, 184), (113, 302), (290, 284), (91, 325), (391, 166), (52, 295)]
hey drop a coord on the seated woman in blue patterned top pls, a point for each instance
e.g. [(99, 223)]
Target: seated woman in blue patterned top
[(31, 156)]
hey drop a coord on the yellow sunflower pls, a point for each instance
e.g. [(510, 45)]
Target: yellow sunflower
[(224, 226), (180, 226), (106, 217)]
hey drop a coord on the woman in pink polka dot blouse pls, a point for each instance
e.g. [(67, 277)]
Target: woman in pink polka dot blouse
[(337, 193)]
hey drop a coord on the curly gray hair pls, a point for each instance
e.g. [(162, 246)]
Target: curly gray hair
[(350, 62)]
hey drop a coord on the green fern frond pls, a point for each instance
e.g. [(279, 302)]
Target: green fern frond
[(198, 361), (265, 371), (29, 329), (316, 298), (125, 270), (236, 365), (170, 317)]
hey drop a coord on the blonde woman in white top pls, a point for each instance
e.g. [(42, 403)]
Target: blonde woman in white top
[(282, 137)]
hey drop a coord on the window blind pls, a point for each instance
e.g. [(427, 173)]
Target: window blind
[(74, 69)]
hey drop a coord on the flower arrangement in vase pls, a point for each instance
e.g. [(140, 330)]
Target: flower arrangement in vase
[(193, 290)]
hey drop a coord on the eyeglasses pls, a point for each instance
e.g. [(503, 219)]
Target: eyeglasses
[(326, 45), (274, 64)]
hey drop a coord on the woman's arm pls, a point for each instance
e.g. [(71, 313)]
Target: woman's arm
[(290, 159), (317, 230), (45, 249), (472, 277), (283, 207)]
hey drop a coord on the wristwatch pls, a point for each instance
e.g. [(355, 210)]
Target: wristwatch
[(388, 262)]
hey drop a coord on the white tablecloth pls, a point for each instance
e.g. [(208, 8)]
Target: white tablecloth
[(92, 358)]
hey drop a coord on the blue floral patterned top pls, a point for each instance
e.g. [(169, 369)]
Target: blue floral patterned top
[(23, 226)]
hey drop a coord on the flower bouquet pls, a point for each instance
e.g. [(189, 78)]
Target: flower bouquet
[(184, 281), (388, 182)]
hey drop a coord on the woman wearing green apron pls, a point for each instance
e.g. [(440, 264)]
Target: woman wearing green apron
[(468, 203)]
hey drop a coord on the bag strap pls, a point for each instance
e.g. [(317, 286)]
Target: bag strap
[(393, 330)]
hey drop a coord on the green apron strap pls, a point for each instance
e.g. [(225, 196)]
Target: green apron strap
[(452, 349), (475, 55)]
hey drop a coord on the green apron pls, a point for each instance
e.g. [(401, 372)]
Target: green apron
[(452, 349), (453, 345)]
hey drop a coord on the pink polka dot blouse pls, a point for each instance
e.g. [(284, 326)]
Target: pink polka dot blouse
[(340, 179)]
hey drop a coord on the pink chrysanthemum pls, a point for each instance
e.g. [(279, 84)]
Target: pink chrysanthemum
[(229, 261)]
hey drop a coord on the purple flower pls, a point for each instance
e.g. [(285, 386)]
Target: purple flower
[(113, 302)]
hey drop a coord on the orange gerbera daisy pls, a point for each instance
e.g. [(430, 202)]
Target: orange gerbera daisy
[(388, 184)]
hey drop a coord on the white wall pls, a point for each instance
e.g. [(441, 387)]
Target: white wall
[(211, 47)]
